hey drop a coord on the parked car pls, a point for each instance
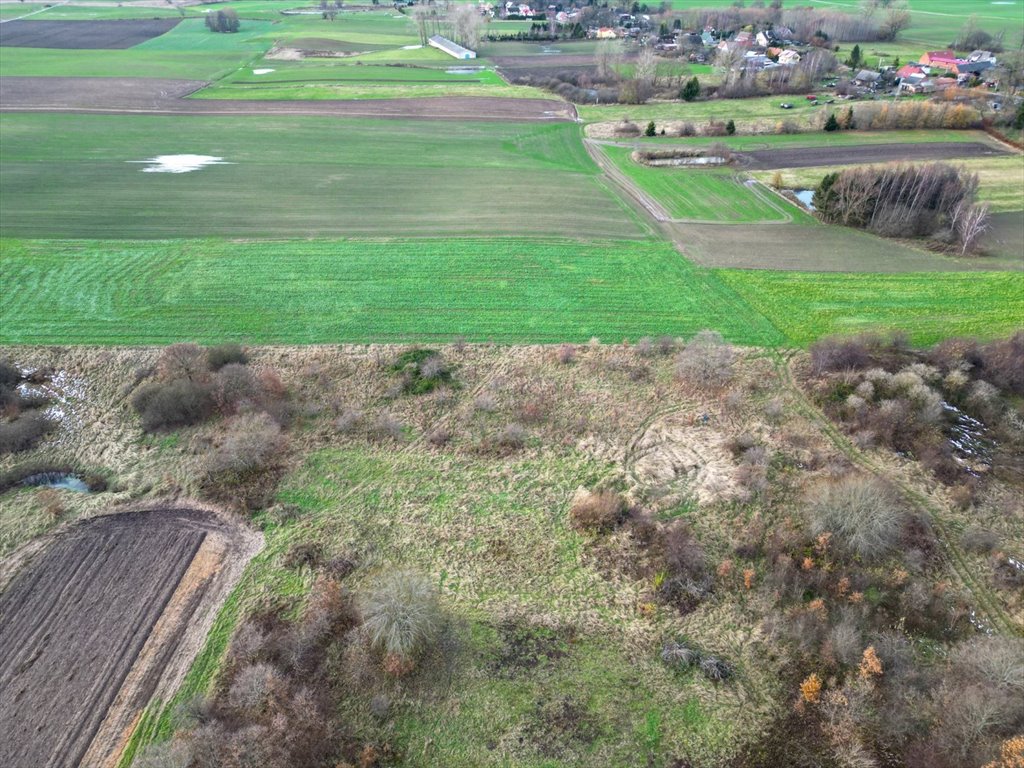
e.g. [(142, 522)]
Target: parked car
[(785, 105)]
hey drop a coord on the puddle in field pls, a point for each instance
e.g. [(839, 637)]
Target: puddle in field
[(805, 196), (262, 71), (548, 51), (60, 480), (179, 163), (464, 70)]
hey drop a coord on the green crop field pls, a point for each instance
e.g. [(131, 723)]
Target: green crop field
[(510, 290), (928, 306), (79, 176), (345, 80), (758, 108), (703, 194)]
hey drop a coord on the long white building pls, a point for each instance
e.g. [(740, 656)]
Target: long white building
[(452, 49)]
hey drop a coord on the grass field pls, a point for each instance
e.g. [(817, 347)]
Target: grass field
[(928, 306), (345, 80), (300, 177), (510, 290), (759, 108), (703, 194), (819, 139), (1001, 179)]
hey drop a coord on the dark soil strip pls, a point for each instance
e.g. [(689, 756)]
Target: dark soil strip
[(129, 96), (811, 157), (104, 35), (73, 622)]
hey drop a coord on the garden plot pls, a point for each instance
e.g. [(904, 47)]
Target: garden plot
[(130, 597), (80, 35)]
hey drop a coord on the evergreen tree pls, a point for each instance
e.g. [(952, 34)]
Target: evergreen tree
[(730, 127), (651, 129), (691, 90), (832, 124)]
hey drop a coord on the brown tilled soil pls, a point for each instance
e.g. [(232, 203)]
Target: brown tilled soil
[(812, 157), (109, 35), (116, 95), (90, 623)]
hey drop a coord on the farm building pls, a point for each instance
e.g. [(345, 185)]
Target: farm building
[(452, 49)]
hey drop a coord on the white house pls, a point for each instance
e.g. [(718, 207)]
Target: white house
[(452, 49)]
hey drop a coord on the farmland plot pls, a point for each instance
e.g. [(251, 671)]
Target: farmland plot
[(110, 35), (300, 177), (91, 625)]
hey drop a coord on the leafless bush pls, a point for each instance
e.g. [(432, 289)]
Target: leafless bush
[(485, 402), (224, 354), (715, 669), (234, 383), (774, 409), (23, 433), (680, 655), (176, 753), (439, 437), (861, 513), (402, 614), (684, 556), (175, 403), (566, 354), (349, 421), (980, 540), (597, 511), (182, 361), (387, 427), (645, 347), (251, 689), (253, 442), (667, 345), (511, 438), (707, 361)]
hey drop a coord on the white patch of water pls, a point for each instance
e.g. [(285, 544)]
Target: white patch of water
[(262, 71), (179, 163)]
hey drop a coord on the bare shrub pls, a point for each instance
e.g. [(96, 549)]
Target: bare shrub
[(840, 354), (439, 437), (511, 438), (566, 354), (223, 354), (645, 347), (597, 511), (251, 689), (861, 513), (234, 383), (680, 655), (667, 345), (387, 427), (23, 433), (715, 669), (707, 361), (485, 402), (182, 361), (176, 403), (980, 540), (349, 421), (252, 444), (401, 614), (176, 753)]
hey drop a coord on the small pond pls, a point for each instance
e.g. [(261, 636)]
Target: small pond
[(805, 196), (61, 480)]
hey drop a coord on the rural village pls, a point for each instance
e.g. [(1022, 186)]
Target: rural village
[(466, 384)]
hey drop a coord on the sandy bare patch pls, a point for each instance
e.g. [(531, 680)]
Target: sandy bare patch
[(678, 448), (262, 71)]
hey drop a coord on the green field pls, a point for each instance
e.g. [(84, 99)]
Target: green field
[(703, 194), (345, 80), (929, 307), (510, 290), (817, 139), (754, 109), (300, 177)]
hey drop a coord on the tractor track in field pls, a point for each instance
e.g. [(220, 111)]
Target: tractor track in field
[(986, 606)]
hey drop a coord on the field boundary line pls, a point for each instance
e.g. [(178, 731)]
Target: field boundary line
[(33, 13)]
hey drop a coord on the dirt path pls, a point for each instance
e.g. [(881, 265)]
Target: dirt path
[(987, 609), (112, 610)]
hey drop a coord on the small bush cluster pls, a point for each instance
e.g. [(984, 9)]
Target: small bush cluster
[(706, 361), (597, 511), (682, 656), (193, 384), (861, 513), (401, 617), (22, 424), (422, 371)]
